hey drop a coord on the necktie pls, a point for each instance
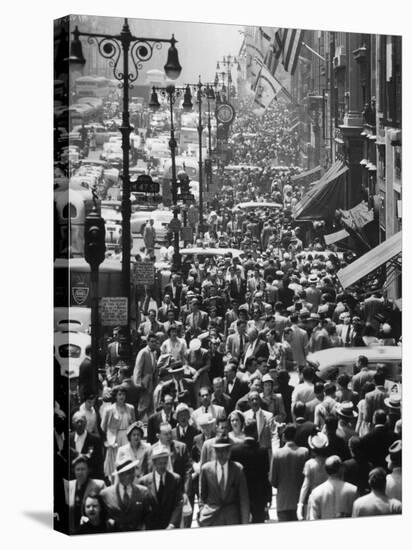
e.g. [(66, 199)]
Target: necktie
[(347, 335), (222, 479), (160, 490), (126, 498), (206, 408), (241, 345)]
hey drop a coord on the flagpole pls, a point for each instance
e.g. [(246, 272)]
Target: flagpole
[(313, 51)]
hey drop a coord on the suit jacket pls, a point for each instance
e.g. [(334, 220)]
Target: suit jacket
[(229, 507), (374, 400), (233, 345), (260, 349), (255, 462), (376, 443), (92, 448), (169, 509), (239, 389), (186, 396), (132, 517), (181, 463), (187, 438), (223, 401), (144, 374), (92, 486), (299, 345), (287, 474), (216, 411), (153, 426), (175, 293), (162, 311), (237, 291), (145, 328), (196, 327), (112, 354), (264, 421)]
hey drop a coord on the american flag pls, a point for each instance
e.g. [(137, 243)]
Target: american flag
[(292, 43)]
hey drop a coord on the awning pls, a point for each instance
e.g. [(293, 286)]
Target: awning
[(372, 260), (307, 177), (335, 237), (324, 198)]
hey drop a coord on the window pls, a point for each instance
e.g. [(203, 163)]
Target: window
[(69, 350)]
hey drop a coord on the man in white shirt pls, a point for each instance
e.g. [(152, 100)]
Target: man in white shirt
[(305, 391)]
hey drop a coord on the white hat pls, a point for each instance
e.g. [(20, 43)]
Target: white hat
[(160, 452), (125, 466), (195, 344)]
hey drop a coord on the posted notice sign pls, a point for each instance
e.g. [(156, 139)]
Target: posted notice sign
[(113, 311), (144, 273)]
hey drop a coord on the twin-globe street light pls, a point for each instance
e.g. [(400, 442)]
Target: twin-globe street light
[(114, 47), (203, 91)]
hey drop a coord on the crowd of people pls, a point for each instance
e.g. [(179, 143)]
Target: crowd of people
[(219, 411)]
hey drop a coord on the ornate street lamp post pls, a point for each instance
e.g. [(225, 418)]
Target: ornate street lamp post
[(172, 93), (139, 50)]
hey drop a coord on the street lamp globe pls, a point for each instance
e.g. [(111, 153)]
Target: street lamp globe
[(154, 100), (173, 67), (76, 50)]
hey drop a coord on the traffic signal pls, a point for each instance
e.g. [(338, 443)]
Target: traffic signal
[(94, 240), (208, 166)]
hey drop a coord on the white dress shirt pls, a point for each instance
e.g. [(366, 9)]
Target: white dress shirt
[(159, 478), (79, 440)]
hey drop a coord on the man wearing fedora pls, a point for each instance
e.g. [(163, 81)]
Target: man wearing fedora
[(179, 460), (223, 493), (347, 416), (128, 504), (180, 387), (334, 498), (394, 479), (145, 375), (393, 406), (183, 431), (206, 407), (286, 474), (376, 503), (165, 489), (255, 462)]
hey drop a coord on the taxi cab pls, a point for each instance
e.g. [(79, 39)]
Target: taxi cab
[(329, 363)]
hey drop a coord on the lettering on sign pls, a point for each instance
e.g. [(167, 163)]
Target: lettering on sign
[(143, 273), (113, 311)]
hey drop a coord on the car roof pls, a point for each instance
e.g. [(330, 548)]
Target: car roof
[(338, 356), (211, 251)]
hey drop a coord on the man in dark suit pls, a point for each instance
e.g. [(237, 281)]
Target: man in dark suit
[(223, 498), (180, 461), (233, 386), (218, 395), (255, 462), (375, 400), (196, 321), (184, 432), (166, 493), (174, 289), (128, 504), (376, 443), (304, 428), (83, 443), (237, 286), (164, 415), (181, 388), (132, 391)]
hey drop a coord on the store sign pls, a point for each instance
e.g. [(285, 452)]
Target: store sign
[(113, 311), (144, 273)]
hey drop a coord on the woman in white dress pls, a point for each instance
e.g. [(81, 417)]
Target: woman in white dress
[(115, 421), (237, 421), (135, 449), (174, 346)]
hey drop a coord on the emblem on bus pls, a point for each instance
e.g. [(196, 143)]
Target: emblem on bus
[(80, 294)]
